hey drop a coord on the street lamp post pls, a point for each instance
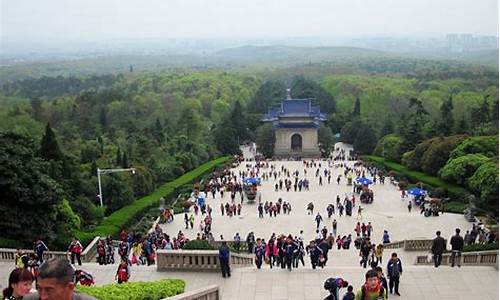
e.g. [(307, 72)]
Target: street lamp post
[(107, 171)]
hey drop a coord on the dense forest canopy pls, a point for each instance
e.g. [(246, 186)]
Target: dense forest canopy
[(165, 121)]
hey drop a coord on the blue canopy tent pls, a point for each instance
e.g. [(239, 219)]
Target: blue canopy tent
[(417, 192), (363, 181), (251, 180), (419, 195)]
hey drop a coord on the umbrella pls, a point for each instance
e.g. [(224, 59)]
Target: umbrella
[(364, 181), (251, 180), (417, 192)]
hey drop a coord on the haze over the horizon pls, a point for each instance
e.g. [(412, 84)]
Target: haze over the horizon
[(98, 19)]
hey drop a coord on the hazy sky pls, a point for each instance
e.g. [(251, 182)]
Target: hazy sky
[(79, 19)]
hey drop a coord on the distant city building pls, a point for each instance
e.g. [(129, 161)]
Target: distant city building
[(468, 42), (296, 123)]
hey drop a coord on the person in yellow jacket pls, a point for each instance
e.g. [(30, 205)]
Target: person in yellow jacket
[(379, 251), (21, 259)]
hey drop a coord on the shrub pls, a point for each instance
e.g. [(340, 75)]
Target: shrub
[(455, 207), (484, 183), (458, 170), (415, 176), (486, 145), (437, 153), (198, 245), (389, 147), (481, 247), (154, 290)]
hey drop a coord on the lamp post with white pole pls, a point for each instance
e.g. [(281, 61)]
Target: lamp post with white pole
[(107, 171)]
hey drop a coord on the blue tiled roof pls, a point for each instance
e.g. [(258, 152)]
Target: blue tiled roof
[(294, 108)]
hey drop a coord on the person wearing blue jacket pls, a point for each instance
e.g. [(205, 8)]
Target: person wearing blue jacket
[(224, 255), (394, 271)]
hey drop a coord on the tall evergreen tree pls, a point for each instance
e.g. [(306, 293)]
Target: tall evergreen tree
[(124, 160), (103, 118), (118, 160), (49, 148), (387, 127), (356, 112), (446, 122), (237, 121), (366, 139)]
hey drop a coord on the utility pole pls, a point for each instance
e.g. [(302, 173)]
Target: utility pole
[(107, 171)]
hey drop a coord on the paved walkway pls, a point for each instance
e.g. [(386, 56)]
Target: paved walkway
[(387, 212), (417, 282)]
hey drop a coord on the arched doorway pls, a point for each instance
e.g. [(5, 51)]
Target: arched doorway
[(296, 142)]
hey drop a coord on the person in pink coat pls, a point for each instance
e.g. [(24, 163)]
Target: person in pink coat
[(271, 251)]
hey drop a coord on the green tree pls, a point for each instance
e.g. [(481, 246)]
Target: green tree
[(237, 121), (125, 160), (265, 140), (356, 112), (225, 137), (326, 140), (389, 147), (459, 170), (366, 139), (49, 147), (484, 183), (118, 159), (446, 121), (29, 196), (388, 126)]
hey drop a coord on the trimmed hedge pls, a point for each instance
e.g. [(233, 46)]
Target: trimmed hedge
[(121, 218), (453, 190), (198, 245), (154, 290), (481, 247)]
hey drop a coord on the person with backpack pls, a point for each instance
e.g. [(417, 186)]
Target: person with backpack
[(315, 253), (75, 248), (333, 286), (260, 250), (394, 270), (123, 272), (372, 289), (39, 248)]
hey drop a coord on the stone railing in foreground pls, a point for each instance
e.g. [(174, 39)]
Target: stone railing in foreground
[(480, 258), (197, 260), (206, 293), (88, 254)]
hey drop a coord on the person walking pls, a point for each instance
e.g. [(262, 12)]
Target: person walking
[(39, 248), (123, 272), (394, 270), (409, 206), (334, 227), (260, 250), (75, 248), (364, 252), (457, 246), (437, 249), (224, 255), (318, 220)]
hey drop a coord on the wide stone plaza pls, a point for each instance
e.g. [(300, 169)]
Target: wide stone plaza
[(387, 212)]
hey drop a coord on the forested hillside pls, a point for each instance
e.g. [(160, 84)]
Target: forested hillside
[(57, 130)]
